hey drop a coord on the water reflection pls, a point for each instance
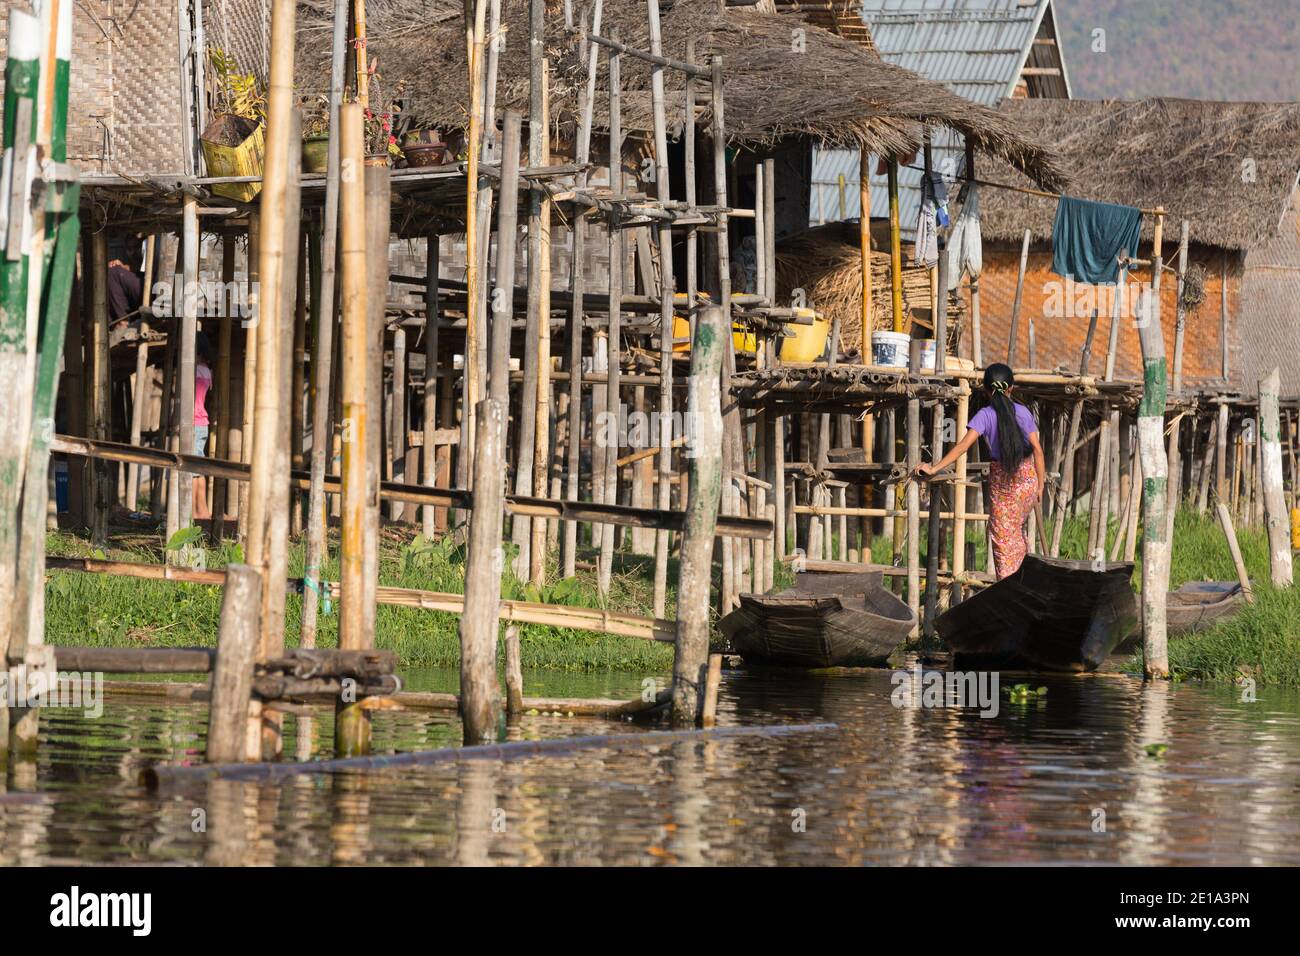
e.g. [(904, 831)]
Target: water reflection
[(1065, 778)]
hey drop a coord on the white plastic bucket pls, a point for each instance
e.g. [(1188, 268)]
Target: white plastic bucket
[(926, 348), (890, 348)]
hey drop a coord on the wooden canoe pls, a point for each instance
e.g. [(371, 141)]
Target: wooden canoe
[(825, 620), (1193, 607), (1052, 614)]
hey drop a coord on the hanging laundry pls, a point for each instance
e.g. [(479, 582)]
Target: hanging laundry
[(932, 214), (1088, 238), (965, 242)]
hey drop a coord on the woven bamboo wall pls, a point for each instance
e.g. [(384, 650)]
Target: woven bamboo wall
[(124, 96), (242, 28)]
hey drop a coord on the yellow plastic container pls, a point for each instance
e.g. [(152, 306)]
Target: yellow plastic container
[(805, 343), (745, 341), (1295, 527), (233, 146)]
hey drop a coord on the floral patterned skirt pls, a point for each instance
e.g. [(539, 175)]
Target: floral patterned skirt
[(1011, 501)]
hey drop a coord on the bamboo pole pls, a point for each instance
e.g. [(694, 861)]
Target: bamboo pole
[(1151, 421), (100, 386), (224, 405), (250, 372), (352, 241), (864, 249), (267, 549), (958, 495), (895, 248), (189, 320), (913, 503), (395, 453), (541, 457), (1277, 516), (705, 467), (1221, 456), (378, 210), (977, 344), (140, 389), (616, 256), (504, 290), (298, 378), (323, 370), (1230, 533), (1065, 483), (432, 319), (577, 289), (1174, 452), (1013, 342), (667, 289), (471, 387)]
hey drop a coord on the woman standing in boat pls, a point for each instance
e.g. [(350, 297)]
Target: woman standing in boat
[(1017, 471)]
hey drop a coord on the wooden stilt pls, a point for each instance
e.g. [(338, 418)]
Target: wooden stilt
[(232, 677), (1151, 427), (514, 675), (705, 466), (102, 500), (250, 372), (221, 403), (432, 320), (479, 690)]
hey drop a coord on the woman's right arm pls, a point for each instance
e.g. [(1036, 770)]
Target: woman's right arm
[(954, 453)]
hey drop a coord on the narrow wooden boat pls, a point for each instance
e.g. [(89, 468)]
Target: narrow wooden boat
[(825, 620), (1052, 614), (1193, 607)]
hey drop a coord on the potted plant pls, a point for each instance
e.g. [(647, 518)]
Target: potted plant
[(381, 142), (382, 125), (316, 136), (233, 142), (424, 147)]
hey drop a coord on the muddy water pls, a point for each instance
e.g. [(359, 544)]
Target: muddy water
[(1063, 778)]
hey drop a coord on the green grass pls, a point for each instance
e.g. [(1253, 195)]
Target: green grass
[(106, 610)]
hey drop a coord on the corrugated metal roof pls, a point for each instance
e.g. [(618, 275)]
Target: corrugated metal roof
[(974, 47)]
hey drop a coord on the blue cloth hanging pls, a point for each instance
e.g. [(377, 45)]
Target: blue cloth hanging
[(1088, 238)]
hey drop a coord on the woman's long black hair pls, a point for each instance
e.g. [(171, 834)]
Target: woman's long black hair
[(1013, 448)]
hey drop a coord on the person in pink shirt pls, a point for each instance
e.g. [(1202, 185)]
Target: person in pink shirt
[(202, 385)]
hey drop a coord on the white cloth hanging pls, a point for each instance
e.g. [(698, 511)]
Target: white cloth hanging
[(965, 242)]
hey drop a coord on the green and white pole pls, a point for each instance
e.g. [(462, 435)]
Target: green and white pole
[(51, 246), (1155, 475), (22, 74), (62, 226)]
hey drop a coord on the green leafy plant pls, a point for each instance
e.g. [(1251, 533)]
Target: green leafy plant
[(184, 537), (236, 93)]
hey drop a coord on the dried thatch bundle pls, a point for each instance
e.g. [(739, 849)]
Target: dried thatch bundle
[(1227, 168), (783, 77), (826, 263)]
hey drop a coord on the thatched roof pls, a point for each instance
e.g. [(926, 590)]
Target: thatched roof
[(1227, 168), (833, 92)]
